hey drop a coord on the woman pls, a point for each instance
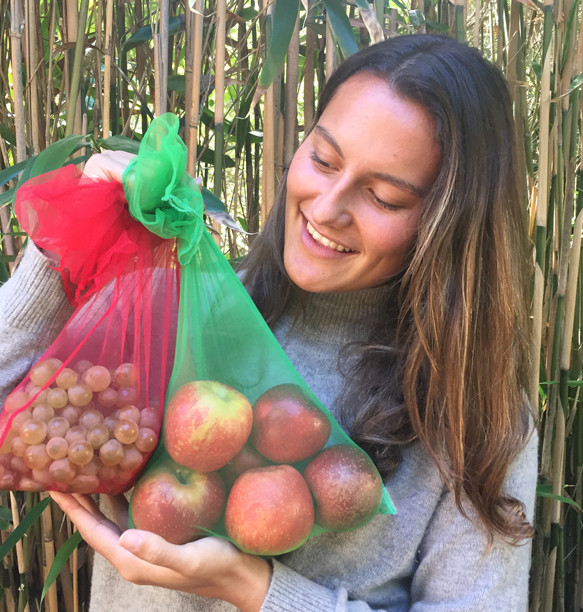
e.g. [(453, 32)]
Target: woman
[(393, 272)]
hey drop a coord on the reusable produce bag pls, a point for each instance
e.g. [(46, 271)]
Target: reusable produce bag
[(87, 416), (247, 451)]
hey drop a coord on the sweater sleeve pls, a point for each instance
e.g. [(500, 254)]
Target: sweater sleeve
[(457, 571), (33, 311)]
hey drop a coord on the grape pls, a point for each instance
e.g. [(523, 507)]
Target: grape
[(33, 431), (82, 366), (125, 375), (150, 417), (57, 427), (43, 412), (84, 483), (71, 413), (98, 435), (90, 418), (108, 397), (130, 413), (17, 399), (62, 470), (81, 452), (132, 459), (126, 431), (57, 398), (55, 363), (21, 418), (110, 422), (91, 468), (17, 464), (57, 448), (80, 394), (36, 457), (18, 447), (76, 433), (28, 484), (147, 440), (33, 390), (8, 481), (126, 396), (43, 477), (66, 378), (108, 473), (7, 443), (41, 372), (111, 453), (97, 378)]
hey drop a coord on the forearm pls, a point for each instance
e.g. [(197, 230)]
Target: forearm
[(33, 311)]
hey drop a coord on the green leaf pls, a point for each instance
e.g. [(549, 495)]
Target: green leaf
[(208, 157), (120, 143), (176, 82), (284, 20), (65, 551), (544, 490), (247, 13), (7, 196), (53, 157), (144, 34), (211, 202), (416, 18), (7, 134), (341, 27), (5, 518), (9, 173), (24, 526)]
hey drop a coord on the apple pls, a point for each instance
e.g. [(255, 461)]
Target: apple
[(287, 425), (269, 510), (206, 423), (246, 459), (346, 486), (177, 503)]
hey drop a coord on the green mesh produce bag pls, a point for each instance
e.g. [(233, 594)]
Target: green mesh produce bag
[(247, 451)]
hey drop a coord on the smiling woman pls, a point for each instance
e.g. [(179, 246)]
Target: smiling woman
[(354, 188), (392, 270)]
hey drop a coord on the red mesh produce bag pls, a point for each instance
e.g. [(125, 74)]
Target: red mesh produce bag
[(88, 414)]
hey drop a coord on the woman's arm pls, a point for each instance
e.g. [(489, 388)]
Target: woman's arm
[(33, 311)]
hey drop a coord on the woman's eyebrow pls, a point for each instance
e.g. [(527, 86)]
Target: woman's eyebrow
[(383, 176)]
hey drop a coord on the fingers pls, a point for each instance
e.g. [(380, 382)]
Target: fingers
[(109, 165)]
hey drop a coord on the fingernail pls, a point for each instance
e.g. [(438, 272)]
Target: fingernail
[(131, 540)]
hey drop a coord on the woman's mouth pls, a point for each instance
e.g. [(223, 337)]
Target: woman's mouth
[(325, 242)]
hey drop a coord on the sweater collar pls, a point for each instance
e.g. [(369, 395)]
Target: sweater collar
[(336, 318)]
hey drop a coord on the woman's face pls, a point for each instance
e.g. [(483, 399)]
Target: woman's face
[(354, 189)]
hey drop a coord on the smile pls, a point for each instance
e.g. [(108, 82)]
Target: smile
[(325, 242)]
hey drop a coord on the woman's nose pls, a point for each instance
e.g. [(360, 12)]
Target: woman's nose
[(333, 207)]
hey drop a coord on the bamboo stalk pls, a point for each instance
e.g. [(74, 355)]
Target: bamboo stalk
[(16, 30), (22, 566), (331, 55), (32, 63), (107, 68), (193, 74), (51, 604), (160, 38), (73, 111), (309, 75), (291, 96), (269, 127)]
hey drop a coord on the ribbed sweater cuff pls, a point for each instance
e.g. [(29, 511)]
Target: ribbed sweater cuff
[(34, 299), (291, 592)]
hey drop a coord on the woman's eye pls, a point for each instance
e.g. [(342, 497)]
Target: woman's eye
[(382, 203), (318, 161)]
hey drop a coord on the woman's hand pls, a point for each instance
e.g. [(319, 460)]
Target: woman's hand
[(211, 567), (109, 165)]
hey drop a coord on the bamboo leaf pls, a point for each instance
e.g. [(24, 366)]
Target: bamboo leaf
[(24, 526), (212, 204), (416, 18), (341, 27), (544, 490), (51, 158), (370, 20), (5, 513), (175, 24), (63, 554), (7, 196), (12, 171), (120, 143), (284, 19)]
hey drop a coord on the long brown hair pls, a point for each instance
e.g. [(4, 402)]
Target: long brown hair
[(449, 363)]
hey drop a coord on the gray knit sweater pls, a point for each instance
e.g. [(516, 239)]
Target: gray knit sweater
[(427, 558)]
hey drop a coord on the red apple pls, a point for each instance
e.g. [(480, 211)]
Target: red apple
[(177, 503), (287, 425), (206, 423), (346, 487), (247, 459), (269, 510)]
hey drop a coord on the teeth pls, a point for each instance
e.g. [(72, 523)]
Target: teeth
[(324, 241)]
